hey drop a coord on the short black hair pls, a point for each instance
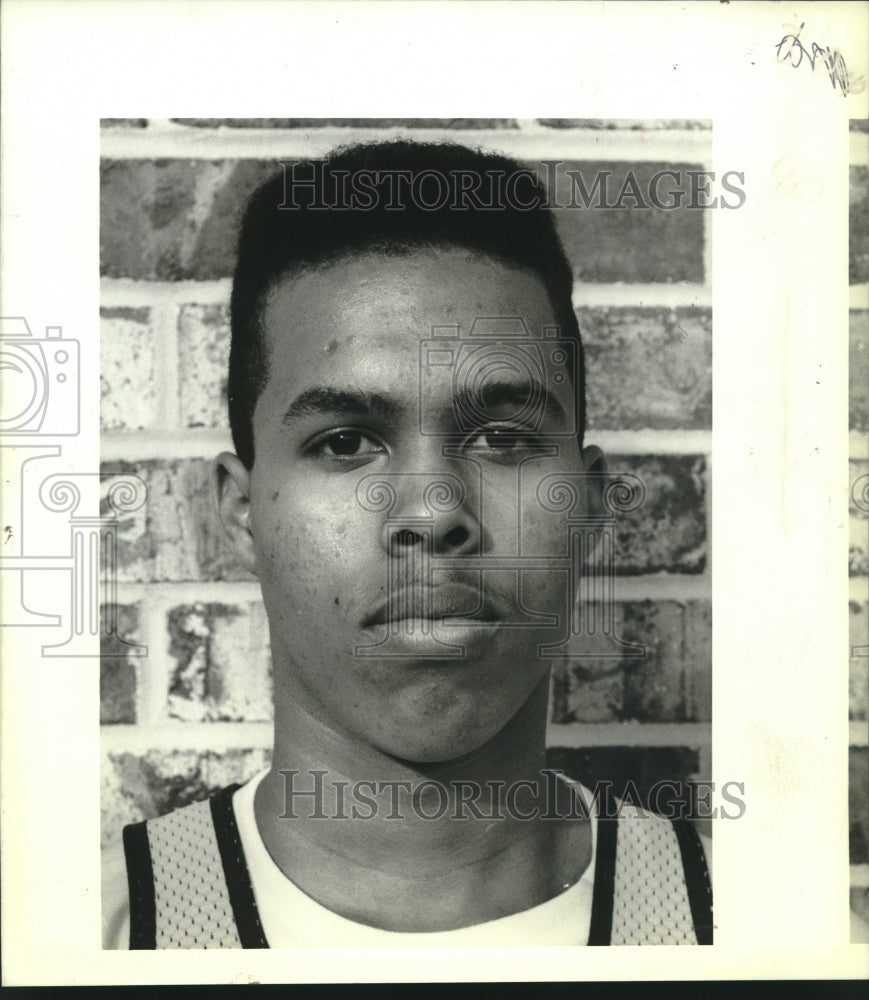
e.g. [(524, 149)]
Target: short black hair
[(304, 217)]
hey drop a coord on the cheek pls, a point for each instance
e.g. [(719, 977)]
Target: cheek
[(279, 539), (306, 542)]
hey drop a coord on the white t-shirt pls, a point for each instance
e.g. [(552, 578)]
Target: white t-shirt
[(292, 919)]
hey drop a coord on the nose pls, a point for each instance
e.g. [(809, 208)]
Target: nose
[(455, 539), (426, 512)]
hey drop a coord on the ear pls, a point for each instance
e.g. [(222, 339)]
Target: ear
[(594, 460), (231, 485)]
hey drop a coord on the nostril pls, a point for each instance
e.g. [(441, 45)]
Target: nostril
[(405, 538), (457, 536)]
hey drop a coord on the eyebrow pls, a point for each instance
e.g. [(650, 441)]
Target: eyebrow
[(324, 400), (516, 395)]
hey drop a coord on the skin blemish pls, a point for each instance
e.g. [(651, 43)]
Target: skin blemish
[(331, 347), (337, 600), (275, 495)]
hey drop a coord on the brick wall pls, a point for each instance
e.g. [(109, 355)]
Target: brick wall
[(194, 714), (858, 556)]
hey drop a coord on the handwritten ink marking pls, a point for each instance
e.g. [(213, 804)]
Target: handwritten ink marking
[(792, 182), (791, 50)]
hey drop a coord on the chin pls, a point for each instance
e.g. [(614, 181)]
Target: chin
[(429, 756), (433, 722), (418, 745)]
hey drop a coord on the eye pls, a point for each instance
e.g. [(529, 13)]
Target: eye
[(345, 445), (498, 439), (501, 442)]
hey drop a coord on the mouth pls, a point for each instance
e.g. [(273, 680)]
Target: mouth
[(434, 604)]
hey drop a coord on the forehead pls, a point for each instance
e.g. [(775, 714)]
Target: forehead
[(374, 302), (365, 324)]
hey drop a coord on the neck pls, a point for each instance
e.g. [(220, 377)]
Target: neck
[(366, 834)]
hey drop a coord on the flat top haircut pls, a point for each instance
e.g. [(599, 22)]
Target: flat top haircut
[(392, 197)]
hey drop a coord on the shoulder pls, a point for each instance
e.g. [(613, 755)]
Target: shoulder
[(115, 898), (658, 870), (179, 840), (648, 831), (115, 884)]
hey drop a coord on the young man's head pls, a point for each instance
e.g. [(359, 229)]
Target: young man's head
[(392, 198), (406, 385)]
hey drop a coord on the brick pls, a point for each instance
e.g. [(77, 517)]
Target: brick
[(631, 124), (222, 664), (312, 123), (628, 244), (176, 534), (668, 532), (141, 786), (858, 680), (672, 683), (203, 355), (584, 692), (648, 367), (174, 219), (644, 766), (858, 804), (858, 371), (858, 225), (127, 384), (118, 676)]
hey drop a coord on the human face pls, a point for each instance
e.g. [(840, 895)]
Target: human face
[(363, 596)]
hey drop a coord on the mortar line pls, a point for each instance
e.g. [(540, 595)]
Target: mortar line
[(154, 671), (578, 735), (164, 317), (214, 736), (623, 146)]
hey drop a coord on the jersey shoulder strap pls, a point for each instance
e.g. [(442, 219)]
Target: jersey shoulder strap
[(651, 882), (188, 880)]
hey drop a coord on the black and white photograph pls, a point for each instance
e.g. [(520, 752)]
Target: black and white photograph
[(438, 653), (428, 536)]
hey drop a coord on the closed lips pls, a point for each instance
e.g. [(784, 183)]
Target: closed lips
[(433, 603)]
